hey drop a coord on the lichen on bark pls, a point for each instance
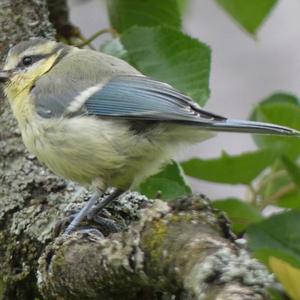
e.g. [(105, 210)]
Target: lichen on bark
[(22, 19), (172, 252)]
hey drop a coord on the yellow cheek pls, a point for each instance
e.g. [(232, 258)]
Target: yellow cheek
[(27, 79), (15, 87), (22, 107)]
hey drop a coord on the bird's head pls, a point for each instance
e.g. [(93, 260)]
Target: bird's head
[(27, 62)]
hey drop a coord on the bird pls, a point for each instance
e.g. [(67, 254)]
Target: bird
[(96, 120)]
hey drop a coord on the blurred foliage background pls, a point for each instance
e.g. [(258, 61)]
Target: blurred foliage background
[(152, 35)]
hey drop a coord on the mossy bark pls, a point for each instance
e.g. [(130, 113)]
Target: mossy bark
[(183, 251)]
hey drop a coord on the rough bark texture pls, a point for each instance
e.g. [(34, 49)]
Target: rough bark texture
[(183, 251), (22, 184), (179, 252)]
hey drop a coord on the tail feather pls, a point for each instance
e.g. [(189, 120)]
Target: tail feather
[(230, 125)]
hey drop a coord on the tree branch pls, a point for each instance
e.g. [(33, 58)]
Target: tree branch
[(59, 17), (183, 251)]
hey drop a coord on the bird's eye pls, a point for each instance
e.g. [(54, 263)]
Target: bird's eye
[(27, 60)]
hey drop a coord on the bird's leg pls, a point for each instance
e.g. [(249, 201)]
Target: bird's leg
[(105, 223), (83, 212), (93, 214), (115, 194)]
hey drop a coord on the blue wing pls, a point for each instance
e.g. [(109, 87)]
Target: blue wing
[(139, 97), (135, 98), (142, 98)]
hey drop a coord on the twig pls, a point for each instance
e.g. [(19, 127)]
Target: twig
[(252, 195), (269, 178), (279, 194), (96, 35)]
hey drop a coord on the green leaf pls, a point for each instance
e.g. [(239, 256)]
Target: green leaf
[(278, 98), (283, 110), (290, 200), (182, 4), (287, 275), (170, 56), (277, 184), (240, 169), (124, 14), (169, 183), (2, 288), (276, 294), (291, 197), (292, 169), (240, 213), (115, 48), (281, 98), (250, 14), (277, 236)]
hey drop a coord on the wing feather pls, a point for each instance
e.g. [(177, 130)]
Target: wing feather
[(139, 97)]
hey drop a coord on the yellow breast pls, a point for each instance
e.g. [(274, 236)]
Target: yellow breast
[(21, 105)]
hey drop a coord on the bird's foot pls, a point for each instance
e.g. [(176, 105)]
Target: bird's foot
[(106, 225), (62, 224), (71, 222), (81, 215), (93, 231), (92, 214), (89, 213)]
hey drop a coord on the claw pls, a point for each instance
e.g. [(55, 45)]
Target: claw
[(107, 225), (61, 225), (87, 212), (83, 213), (93, 231)]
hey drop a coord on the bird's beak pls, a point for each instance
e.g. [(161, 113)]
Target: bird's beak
[(4, 76)]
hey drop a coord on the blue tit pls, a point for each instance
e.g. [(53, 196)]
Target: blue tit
[(94, 119)]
